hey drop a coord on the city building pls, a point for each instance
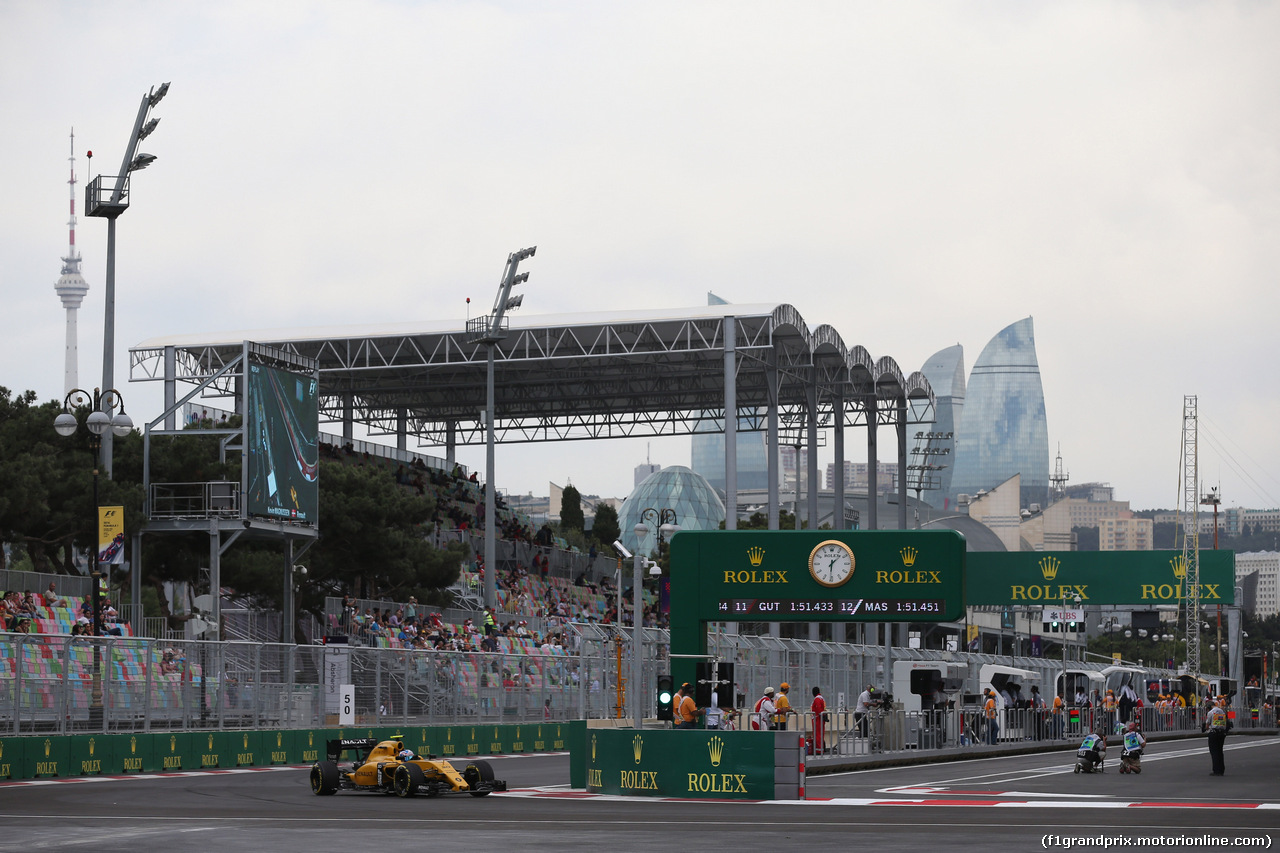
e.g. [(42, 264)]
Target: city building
[(708, 455), (998, 510), (1003, 430), (855, 477), (1265, 566), (1261, 520), (1126, 533), (1092, 511), (936, 447)]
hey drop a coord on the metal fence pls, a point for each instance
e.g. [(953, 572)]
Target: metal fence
[(63, 684)]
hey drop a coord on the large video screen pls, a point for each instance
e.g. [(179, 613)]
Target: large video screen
[(282, 430)]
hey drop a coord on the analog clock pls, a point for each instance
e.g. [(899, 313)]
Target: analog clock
[(831, 563)]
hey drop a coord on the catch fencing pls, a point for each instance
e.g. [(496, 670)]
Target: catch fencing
[(69, 685)]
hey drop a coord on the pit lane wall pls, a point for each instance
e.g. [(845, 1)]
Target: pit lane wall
[(697, 763), (56, 756)]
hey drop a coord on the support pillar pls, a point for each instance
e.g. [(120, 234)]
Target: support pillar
[(811, 404), (730, 424), (901, 426), (837, 511), (873, 415)]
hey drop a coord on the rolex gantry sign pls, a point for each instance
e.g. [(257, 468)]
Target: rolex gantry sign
[(1139, 578), (818, 576)]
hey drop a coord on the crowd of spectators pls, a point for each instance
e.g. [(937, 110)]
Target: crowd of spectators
[(49, 613)]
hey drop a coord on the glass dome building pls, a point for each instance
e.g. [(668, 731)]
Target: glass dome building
[(677, 488), (1003, 430)]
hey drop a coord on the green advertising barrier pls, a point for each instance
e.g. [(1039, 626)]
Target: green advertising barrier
[(1150, 578), (47, 757), (173, 751), (577, 732), (11, 757), (91, 755), (675, 763), (132, 753), (60, 756)]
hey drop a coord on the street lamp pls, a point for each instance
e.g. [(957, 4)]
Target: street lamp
[(99, 423), (665, 520), (638, 563), (108, 196)]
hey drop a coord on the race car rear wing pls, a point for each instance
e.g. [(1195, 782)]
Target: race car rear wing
[(335, 748)]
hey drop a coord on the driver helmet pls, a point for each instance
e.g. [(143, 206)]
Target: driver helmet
[(405, 755)]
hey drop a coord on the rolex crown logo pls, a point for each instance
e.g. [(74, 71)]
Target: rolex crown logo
[(1049, 567), (593, 749), (909, 556), (48, 744), (756, 555), (246, 740), (715, 747), (92, 744), (173, 743), (1179, 564), (133, 745), (637, 747), (210, 743), (279, 739)]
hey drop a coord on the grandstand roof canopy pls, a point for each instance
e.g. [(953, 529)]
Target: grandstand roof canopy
[(569, 376)]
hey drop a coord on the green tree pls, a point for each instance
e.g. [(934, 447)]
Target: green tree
[(605, 529), (46, 484), (571, 509), (374, 538)]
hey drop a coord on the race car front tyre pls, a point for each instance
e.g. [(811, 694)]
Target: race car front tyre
[(407, 779), (324, 778), (477, 772)]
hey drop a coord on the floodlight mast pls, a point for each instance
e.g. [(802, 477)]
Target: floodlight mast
[(491, 333)]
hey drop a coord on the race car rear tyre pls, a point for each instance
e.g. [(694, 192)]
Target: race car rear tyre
[(476, 772), (407, 779), (324, 778)]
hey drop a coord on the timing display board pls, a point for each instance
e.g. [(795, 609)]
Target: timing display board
[(282, 430), (817, 575)]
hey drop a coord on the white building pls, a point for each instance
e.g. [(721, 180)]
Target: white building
[(1266, 597)]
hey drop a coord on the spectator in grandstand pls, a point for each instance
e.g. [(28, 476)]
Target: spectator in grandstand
[(27, 605), (51, 598)]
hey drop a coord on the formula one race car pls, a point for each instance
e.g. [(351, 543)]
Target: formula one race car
[(387, 767)]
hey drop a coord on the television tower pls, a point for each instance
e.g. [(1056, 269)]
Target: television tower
[(72, 287)]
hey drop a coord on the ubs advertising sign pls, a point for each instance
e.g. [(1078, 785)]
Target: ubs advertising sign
[(668, 763), (1149, 578)]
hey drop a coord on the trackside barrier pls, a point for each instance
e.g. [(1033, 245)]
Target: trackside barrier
[(56, 756), (698, 764)]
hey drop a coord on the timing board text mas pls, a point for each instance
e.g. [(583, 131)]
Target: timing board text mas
[(834, 609)]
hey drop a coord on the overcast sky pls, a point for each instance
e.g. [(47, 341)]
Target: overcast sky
[(915, 174)]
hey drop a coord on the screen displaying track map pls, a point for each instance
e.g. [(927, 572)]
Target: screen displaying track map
[(281, 431)]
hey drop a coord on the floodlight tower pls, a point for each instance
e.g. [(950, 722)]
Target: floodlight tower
[(107, 196), (490, 331), (72, 288)]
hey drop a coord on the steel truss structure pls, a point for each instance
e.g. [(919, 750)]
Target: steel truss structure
[(590, 376)]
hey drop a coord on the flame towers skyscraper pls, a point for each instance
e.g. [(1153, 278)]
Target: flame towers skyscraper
[(71, 287), (1003, 430)]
